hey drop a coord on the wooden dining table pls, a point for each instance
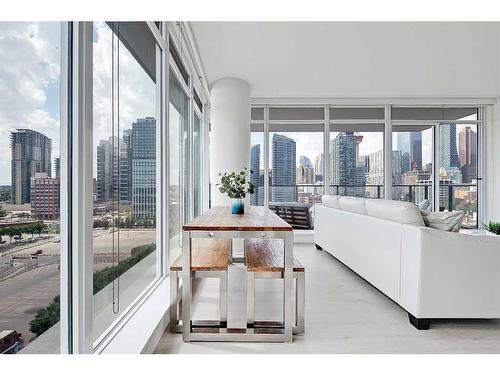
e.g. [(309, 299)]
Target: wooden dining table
[(256, 222)]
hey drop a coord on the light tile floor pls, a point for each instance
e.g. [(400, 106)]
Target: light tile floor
[(344, 314)]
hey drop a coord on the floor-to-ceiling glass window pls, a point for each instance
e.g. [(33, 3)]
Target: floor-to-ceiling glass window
[(458, 170), (30, 248), (441, 144), (178, 128), (126, 73), (197, 159), (412, 162), (295, 155), (257, 156), (357, 152)]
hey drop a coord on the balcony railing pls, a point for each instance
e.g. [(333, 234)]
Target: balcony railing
[(451, 197)]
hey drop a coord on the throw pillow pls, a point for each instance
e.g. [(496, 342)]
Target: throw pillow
[(424, 205), (445, 221)]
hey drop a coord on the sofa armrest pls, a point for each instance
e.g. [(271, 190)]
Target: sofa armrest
[(449, 275)]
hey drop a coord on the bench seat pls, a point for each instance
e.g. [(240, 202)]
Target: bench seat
[(207, 254), (264, 259), (266, 255), (209, 259)]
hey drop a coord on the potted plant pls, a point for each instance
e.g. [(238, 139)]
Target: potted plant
[(236, 186), (493, 227)]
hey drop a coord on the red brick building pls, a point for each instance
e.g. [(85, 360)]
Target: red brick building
[(45, 196)]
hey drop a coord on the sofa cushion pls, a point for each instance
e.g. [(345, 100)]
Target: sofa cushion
[(445, 221), (331, 201), (425, 205), (353, 204), (402, 212)]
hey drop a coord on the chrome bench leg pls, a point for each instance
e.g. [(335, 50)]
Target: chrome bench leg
[(300, 302), (223, 299), (174, 300), (250, 299)]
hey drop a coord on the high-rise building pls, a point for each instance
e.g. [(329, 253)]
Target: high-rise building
[(31, 154), (344, 160), (126, 166), (45, 196), (467, 145), (305, 175), (144, 169), (448, 146), (305, 161), (283, 166), (375, 168), (256, 178), (105, 170), (410, 144), (305, 171), (114, 169), (416, 151), (57, 167), (318, 168)]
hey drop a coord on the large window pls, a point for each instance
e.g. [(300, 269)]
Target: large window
[(357, 160), (257, 163), (435, 155), (296, 163), (197, 163), (125, 125), (30, 248), (412, 162), (178, 125)]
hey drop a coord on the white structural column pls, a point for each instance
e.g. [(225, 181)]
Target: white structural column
[(230, 131)]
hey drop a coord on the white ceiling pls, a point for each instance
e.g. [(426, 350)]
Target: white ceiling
[(332, 59)]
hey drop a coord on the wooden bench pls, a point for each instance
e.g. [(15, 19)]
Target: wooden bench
[(209, 258), (265, 260)]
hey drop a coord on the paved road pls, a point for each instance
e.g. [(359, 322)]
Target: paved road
[(22, 296)]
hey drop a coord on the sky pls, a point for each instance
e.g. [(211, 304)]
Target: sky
[(29, 84)]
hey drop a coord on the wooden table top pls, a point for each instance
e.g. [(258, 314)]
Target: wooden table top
[(255, 218)]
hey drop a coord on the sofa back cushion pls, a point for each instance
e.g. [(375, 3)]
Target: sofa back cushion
[(402, 212), (353, 204), (331, 201)]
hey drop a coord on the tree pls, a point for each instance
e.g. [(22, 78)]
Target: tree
[(39, 228), (3, 213), (46, 317)]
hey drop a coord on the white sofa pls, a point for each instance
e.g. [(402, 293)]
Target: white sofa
[(429, 273)]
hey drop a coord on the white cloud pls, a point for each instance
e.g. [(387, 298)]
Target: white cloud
[(29, 63)]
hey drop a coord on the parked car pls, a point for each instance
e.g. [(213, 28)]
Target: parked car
[(10, 341)]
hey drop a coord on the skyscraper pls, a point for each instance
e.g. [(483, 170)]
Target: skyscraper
[(126, 166), (416, 151), (31, 154), (144, 169), (283, 167), (448, 146), (410, 145), (114, 169), (106, 170), (305, 171), (318, 168), (346, 167), (467, 145), (57, 166), (305, 161), (255, 177)]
